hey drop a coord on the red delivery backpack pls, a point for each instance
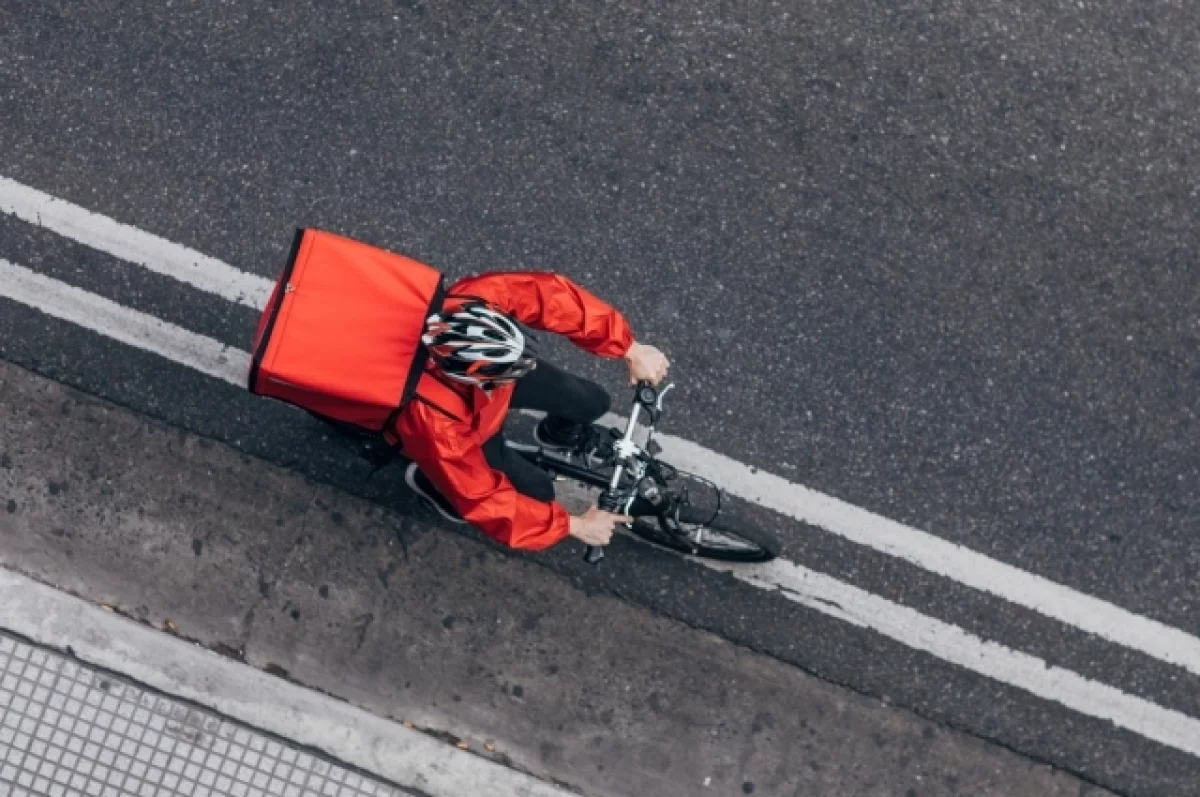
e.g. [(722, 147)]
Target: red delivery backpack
[(341, 334)]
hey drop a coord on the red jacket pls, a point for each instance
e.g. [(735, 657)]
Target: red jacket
[(448, 446)]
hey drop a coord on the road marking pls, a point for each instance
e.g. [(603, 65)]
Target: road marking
[(121, 323), (955, 562), (133, 245), (797, 583), (1053, 600), (951, 643)]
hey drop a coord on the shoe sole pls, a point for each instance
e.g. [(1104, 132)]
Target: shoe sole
[(549, 446), (410, 478), (590, 458)]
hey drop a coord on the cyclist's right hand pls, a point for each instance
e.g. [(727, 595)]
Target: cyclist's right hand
[(595, 526), (646, 363)]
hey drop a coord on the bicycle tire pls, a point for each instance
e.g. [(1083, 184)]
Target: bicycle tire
[(755, 544)]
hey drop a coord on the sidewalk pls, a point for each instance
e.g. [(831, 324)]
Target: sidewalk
[(69, 728), (115, 716)]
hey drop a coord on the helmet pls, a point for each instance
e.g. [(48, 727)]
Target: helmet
[(477, 345)]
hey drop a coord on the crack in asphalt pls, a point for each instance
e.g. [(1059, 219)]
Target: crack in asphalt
[(267, 585)]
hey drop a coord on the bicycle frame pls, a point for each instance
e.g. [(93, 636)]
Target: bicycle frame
[(553, 462), (636, 473), (631, 459)]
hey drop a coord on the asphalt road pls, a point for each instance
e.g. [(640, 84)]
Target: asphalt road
[(937, 259)]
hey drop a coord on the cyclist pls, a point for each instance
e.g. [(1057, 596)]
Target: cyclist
[(480, 365)]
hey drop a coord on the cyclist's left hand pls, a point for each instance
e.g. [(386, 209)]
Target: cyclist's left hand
[(646, 363)]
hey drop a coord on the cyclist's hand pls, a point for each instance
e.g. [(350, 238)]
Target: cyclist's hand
[(646, 363), (595, 526)]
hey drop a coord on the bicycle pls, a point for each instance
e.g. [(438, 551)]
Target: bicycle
[(609, 459)]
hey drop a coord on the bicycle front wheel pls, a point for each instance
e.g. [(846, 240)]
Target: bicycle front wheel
[(728, 542)]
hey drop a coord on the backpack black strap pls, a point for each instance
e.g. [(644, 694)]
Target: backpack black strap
[(417, 368)]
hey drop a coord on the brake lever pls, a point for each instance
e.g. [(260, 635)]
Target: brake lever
[(658, 405), (609, 502)]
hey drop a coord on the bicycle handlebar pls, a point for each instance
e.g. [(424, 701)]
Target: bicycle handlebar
[(646, 397)]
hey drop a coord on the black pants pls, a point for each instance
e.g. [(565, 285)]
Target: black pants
[(567, 400)]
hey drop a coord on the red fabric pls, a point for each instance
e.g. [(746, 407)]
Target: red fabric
[(443, 430), (347, 329)]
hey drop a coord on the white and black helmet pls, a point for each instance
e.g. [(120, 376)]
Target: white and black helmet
[(475, 344)]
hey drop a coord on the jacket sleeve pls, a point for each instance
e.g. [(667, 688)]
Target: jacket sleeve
[(450, 454), (556, 304)]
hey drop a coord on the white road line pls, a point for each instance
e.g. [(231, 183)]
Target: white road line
[(1058, 602), (1099, 617), (133, 245), (951, 643), (814, 590), (120, 323)]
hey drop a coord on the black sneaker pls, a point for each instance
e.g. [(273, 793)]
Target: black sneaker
[(592, 444), (558, 436), (419, 484)]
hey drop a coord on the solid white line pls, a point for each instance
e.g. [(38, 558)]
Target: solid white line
[(118, 322), (951, 643), (133, 245), (811, 589), (384, 748), (1058, 602), (1104, 619)]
